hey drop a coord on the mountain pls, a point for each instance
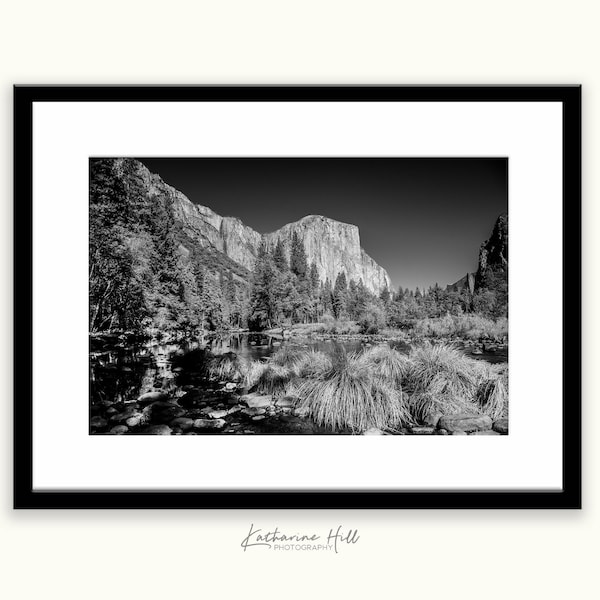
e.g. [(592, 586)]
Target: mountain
[(493, 254), (333, 246), (493, 258), (468, 281)]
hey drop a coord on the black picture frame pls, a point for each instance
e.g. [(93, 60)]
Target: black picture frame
[(570, 495)]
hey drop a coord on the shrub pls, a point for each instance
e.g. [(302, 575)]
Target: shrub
[(441, 368), (268, 378), (492, 397), (228, 366), (349, 396), (387, 363)]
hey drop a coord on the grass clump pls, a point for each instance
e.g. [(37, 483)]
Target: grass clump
[(349, 396), (267, 378), (386, 363), (441, 368), (227, 366), (492, 397)]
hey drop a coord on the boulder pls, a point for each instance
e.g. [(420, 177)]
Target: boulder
[(373, 431), (465, 422), (422, 430), (302, 411), (256, 400), (432, 419), (119, 430), (157, 430), (152, 397), (98, 422), (133, 421), (183, 423), (209, 423), (253, 412), (501, 426), (287, 402)]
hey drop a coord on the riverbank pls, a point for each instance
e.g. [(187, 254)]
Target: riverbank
[(377, 390)]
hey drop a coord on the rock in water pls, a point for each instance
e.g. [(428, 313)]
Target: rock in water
[(465, 422), (373, 431), (119, 430), (157, 430), (209, 423), (152, 397), (183, 423), (256, 400), (98, 422), (501, 426)]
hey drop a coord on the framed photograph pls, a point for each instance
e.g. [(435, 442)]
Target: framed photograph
[(305, 288)]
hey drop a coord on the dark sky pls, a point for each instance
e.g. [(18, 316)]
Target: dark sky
[(423, 219)]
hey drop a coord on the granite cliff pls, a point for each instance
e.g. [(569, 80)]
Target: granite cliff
[(333, 246)]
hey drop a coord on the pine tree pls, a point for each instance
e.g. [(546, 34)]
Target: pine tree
[(340, 295), (298, 264), (279, 257)]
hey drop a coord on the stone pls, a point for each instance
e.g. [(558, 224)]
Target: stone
[(259, 418), (119, 430), (124, 415), (219, 414), (230, 386), (373, 431), (209, 423), (465, 422), (302, 411), (287, 401), (256, 400), (441, 432), (422, 430), (157, 430), (485, 432), (152, 397), (432, 420), (183, 423), (133, 421), (190, 398), (253, 412), (163, 412), (98, 422), (501, 426), (458, 432)]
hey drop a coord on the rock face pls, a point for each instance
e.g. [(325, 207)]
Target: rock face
[(333, 246), (494, 251)]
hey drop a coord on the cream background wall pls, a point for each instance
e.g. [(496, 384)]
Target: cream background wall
[(196, 554)]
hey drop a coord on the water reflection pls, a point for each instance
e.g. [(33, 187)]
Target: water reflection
[(120, 372)]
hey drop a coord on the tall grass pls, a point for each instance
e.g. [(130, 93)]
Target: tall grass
[(268, 378), (441, 368), (350, 396), (386, 363), (470, 326), (227, 366), (492, 397)]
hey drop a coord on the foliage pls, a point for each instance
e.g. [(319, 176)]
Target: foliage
[(348, 396)]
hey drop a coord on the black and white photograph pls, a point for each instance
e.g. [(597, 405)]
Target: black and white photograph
[(298, 296)]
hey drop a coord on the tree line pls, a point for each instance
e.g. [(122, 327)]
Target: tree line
[(147, 276)]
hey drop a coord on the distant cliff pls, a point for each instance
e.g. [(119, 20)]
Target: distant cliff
[(493, 254)]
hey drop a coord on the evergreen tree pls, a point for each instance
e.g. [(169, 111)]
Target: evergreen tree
[(340, 295), (279, 257), (298, 263)]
